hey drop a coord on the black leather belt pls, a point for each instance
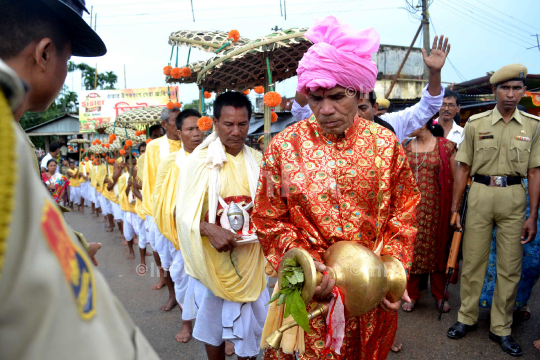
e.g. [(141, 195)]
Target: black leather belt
[(499, 181)]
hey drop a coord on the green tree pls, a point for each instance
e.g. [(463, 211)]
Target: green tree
[(208, 106), (103, 81)]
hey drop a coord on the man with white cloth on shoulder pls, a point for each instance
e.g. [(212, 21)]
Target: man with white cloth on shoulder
[(219, 183), (156, 151), (405, 121), (164, 207)]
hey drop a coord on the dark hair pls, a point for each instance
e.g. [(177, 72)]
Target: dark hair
[(51, 160), (232, 98), (372, 98), (455, 95), (184, 115), (141, 145), (154, 128), (26, 21), (54, 146), (436, 130)]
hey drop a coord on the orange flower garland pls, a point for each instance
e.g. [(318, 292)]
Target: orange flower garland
[(178, 105), (235, 35), (245, 92), (82, 163), (185, 72), (129, 142), (125, 147), (273, 117), (111, 161), (148, 140), (86, 158), (134, 153), (204, 123), (122, 152), (207, 95), (92, 157), (170, 105), (167, 70), (103, 154), (272, 99), (259, 89), (176, 73), (107, 145), (112, 137)]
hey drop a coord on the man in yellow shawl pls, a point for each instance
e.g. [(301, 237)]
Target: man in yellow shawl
[(220, 250), (157, 151), (165, 193)]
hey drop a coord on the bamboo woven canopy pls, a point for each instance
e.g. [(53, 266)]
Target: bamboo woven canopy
[(244, 66), (147, 115), (208, 41), (79, 141), (125, 133)]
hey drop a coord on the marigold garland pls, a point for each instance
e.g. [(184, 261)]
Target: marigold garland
[(122, 152), (148, 140), (167, 70), (103, 154), (107, 145), (176, 73), (178, 105), (86, 158), (207, 95), (112, 137), (235, 35), (129, 142), (273, 117), (185, 72), (125, 147), (272, 99), (245, 92), (170, 105), (204, 123), (93, 157), (107, 158), (83, 164), (111, 161), (259, 89), (134, 153)]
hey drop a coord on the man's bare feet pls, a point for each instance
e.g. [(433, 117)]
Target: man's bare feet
[(159, 284), (446, 306), (185, 334), (131, 255), (537, 344), (109, 229), (124, 243), (171, 303), (229, 348), (397, 345)]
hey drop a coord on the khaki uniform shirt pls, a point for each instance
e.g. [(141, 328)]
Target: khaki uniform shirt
[(54, 304), (492, 147)]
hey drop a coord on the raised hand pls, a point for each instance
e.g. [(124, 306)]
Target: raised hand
[(439, 52)]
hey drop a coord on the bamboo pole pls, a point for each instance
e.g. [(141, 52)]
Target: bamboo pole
[(267, 114)]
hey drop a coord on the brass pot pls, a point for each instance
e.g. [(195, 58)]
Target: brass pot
[(363, 278)]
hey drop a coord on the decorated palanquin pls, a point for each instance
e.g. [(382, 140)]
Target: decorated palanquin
[(316, 190)]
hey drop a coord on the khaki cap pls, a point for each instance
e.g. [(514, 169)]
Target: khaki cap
[(260, 139), (384, 104), (508, 72)]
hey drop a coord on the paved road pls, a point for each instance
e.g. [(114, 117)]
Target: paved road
[(423, 336)]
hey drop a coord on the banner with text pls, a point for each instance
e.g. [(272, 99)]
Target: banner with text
[(103, 106)]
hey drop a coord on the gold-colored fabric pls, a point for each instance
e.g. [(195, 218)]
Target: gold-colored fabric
[(123, 200), (55, 327), (508, 72), (93, 176), (202, 261), (164, 201), (138, 203), (151, 165), (101, 174), (75, 182), (492, 147), (109, 194), (484, 211)]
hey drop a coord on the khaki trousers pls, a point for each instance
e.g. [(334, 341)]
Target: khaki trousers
[(504, 207)]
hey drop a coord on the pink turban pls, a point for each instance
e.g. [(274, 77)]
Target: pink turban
[(340, 55)]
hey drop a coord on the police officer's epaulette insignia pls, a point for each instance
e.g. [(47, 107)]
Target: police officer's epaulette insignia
[(73, 262), (530, 116), (480, 115)]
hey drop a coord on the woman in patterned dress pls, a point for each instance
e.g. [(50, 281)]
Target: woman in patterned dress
[(432, 162)]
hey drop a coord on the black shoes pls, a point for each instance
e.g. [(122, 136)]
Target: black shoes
[(508, 344), (459, 330)]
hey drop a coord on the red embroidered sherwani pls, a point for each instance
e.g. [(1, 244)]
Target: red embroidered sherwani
[(316, 189)]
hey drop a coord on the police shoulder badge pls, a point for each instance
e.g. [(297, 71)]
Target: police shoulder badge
[(74, 264)]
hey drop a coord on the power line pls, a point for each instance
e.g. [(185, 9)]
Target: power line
[(505, 14), (476, 21), (502, 23)]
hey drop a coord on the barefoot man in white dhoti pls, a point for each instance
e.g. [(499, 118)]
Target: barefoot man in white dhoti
[(228, 265)]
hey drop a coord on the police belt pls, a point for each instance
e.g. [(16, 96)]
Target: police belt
[(499, 181)]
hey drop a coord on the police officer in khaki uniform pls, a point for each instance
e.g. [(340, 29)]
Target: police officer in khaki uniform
[(53, 303), (500, 148)]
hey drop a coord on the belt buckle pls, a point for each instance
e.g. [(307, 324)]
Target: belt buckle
[(498, 181)]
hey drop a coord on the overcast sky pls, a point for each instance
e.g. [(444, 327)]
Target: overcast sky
[(485, 34)]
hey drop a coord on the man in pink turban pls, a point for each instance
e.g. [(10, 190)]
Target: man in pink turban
[(336, 177)]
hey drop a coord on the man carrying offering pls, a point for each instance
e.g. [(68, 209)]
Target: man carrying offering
[(337, 177), (217, 239)]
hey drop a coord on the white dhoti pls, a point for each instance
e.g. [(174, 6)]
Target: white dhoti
[(143, 235), (151, 229), (117, 211), (75, 194), (241, 323), (130, 226), (106, 207), (164, 248), (95, 198), (86, 191)]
